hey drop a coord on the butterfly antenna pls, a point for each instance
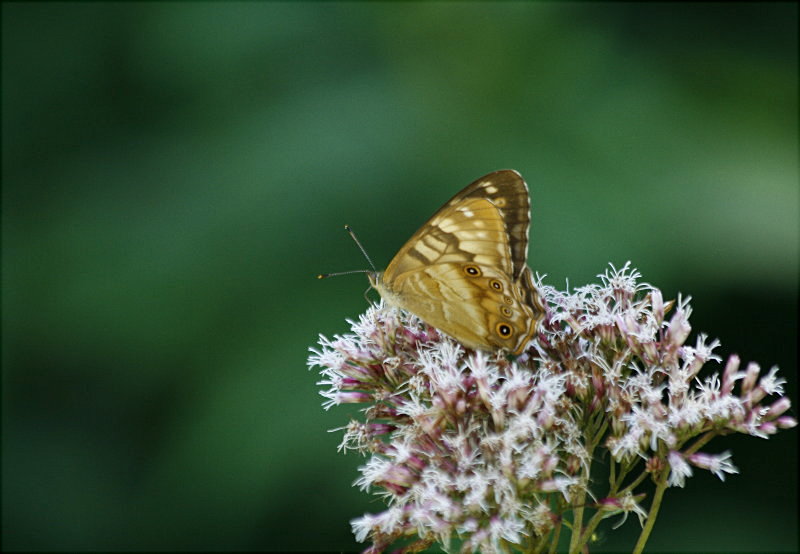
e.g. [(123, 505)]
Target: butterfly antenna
[(355, 239), (326, 275), (360, 247)]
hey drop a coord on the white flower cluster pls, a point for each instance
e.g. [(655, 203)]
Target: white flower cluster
[(496, 454)]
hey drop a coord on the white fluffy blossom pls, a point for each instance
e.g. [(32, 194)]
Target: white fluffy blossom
[(497, 452)]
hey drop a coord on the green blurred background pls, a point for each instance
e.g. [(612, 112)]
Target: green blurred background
[(174, 176)]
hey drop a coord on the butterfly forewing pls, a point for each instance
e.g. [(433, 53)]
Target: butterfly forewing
[(470, 231), (507, 190)]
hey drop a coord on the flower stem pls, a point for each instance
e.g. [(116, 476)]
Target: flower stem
[(577, 523), (593, 523), (661, 486), (699, 443), (635, 483), (556, 535), (612, 473), (579, 503)]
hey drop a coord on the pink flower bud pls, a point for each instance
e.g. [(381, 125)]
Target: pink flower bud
[(679, 328), (352, 397), (349, 383), (730, 374), (768, 428), (778, 407), (751, 374), (377, 429), (399, 475), (657, 301)]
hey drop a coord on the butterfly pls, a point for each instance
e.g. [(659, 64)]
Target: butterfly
[(465, 270)]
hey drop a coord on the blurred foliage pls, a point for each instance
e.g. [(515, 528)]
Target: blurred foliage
[(174, 175)]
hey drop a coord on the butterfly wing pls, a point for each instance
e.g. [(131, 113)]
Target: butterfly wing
[(470, 231), (482, 310), (508, 195), (460, 272)]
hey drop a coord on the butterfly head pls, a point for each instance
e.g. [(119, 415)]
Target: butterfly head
[(374, 279), (376, 282)]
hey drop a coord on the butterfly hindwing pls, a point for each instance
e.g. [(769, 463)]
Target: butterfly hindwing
[(480, 308)]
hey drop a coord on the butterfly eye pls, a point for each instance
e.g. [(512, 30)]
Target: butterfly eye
[(504, 330), (506, 311), (495, 284), (472, 270)]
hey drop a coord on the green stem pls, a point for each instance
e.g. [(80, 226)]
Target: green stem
[(661, 486), (624, 468), (699, 443), (577, 520), (599, 515), (556, 536), (612, 472), (593, 523), (592, 439), (635, 483)]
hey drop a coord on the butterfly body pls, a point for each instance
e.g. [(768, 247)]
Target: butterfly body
[(464, 271)]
